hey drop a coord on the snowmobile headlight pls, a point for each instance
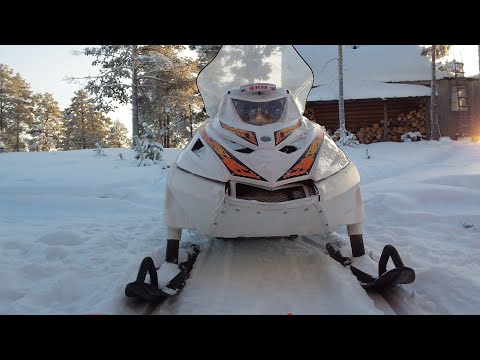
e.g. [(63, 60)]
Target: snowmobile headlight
[(259, 113)]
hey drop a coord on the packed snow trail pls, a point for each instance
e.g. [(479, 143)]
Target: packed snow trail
[(275, 276), (74, 228), (267, 276), (244, 273)]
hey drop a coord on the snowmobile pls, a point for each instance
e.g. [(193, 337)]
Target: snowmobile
[(258, 168)]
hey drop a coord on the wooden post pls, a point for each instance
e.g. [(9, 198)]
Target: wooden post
[(385, 116), (433, 101), (341, 100)]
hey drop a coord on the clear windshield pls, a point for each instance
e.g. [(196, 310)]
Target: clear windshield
[(259, 113), (237, 65)]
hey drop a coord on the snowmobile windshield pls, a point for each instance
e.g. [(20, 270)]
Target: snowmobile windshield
[(237, 65), (259, 113)]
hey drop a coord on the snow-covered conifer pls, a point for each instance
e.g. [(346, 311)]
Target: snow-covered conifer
[(148, 151)]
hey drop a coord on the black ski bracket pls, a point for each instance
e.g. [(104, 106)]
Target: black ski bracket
[(400, 274), (151, 292)]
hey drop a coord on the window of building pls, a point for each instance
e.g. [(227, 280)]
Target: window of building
[(459, 98)]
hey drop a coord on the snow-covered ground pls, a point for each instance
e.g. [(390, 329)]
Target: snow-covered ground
[(74, 228)]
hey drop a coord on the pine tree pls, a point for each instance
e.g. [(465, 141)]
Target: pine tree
[(47, 129), (6, 75), (98, 130), (205, 53), (76, 117), (174, 110), (15, 109), (148, 151), (124, 69), (118, 136), (84, 127), (19, 114)]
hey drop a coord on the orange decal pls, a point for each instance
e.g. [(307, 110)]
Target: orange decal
[(244, 134), (305, 162), (281, 135), (235, 166)]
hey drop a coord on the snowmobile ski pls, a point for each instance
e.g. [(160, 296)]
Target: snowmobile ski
[(154, 294), (401, 274)]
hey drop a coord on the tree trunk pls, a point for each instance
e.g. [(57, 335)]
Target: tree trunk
[(341, 105), (82, 127), (167, 135), (1, 105), (135, 127), (45, 132), (17, 135), (433, 101), (1, 117)]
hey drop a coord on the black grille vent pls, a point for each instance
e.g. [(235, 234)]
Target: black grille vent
[(248, 192), (289, 149), (245, 150)]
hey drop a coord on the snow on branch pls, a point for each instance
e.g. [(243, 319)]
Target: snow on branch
[(149, 152)]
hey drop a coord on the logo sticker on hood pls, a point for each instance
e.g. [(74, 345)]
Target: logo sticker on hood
[(304, 164), (235, 166), (281, 135), (244, 134)]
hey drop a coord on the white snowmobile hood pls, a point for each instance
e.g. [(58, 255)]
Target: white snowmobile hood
[(296, 152), (258, 134)]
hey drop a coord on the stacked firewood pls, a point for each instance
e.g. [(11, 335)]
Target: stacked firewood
[(309, 114), (413, 121)]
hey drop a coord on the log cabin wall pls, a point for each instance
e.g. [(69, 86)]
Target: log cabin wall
[(360, 113)]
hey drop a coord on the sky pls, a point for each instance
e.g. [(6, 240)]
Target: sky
[(46, 66), (74, 228)]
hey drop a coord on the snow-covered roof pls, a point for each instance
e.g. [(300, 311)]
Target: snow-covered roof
[(361, 89), (366, 70)]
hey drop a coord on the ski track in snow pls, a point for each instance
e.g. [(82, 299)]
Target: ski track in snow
[(267, 276)]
